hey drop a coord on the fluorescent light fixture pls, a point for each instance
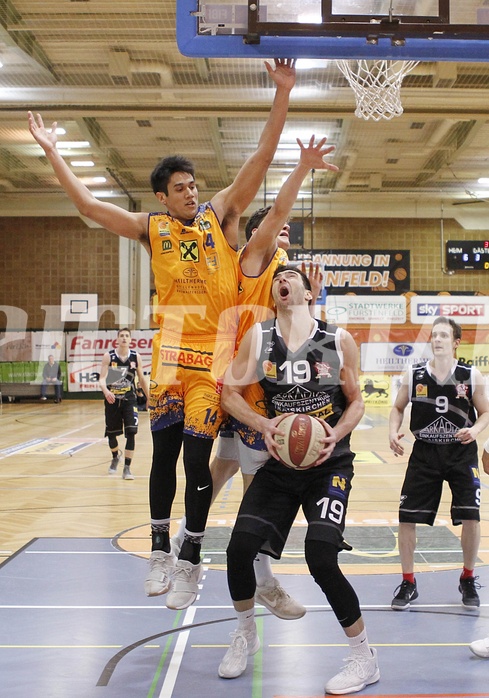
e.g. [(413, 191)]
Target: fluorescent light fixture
[(99, 180), (1, 64), (82, 163), (483, 180), (308, 63), (75, 144)]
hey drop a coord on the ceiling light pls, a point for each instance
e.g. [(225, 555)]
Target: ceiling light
[(99, 180), (82, 163), (308, 63), (75, 144), (1, 64), (483, 180)]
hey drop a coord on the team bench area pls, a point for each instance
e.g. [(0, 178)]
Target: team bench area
[(16, 391)]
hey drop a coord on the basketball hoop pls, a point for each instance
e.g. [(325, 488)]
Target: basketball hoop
[(377, 86)]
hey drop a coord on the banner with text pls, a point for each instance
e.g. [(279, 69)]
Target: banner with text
[(366, 310), (466, 310), (83, 375), (360, 271), (92, 345), (388, 357)]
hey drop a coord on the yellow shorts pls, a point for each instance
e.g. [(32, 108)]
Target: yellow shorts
[(186, 383), (255, 397)]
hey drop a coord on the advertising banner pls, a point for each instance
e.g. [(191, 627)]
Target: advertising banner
[(344, 310), (376, 390), (15, 346), (468, 310), (46, 343), (389, 357), (360, 271), (83, 375), (92, 345)]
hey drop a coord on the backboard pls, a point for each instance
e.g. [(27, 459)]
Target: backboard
[(426, 30)]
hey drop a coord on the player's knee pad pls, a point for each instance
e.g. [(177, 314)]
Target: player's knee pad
[(241, 552), (113, 443), (130, 441), (322, 560)]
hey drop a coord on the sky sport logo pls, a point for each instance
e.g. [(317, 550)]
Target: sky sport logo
[(451, 310)]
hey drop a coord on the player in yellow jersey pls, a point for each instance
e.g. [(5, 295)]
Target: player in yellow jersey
[(259, 258), (195, 266)]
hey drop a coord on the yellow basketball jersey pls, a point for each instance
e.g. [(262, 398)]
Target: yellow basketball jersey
[(196, 275), (255, 303)]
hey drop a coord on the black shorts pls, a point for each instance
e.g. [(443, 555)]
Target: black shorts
[(121, 416), (429, 466), (272, 501)]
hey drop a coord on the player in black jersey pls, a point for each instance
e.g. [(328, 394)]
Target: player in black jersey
[(449, 410), (117, 381), (304, 365)]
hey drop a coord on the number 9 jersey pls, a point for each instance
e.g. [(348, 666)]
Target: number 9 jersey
[(440, 409)]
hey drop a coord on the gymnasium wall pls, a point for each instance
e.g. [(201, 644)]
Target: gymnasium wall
[(421, 236), (44, 257), (41, 258)]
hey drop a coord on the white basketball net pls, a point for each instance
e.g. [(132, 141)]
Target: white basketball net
[(377, 86)]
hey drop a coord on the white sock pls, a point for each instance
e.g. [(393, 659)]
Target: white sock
[(359, 645), (263, 570), (246, 622)]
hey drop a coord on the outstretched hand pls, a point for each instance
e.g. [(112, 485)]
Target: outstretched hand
[(314, 273), (283, 74), (313, 155), (46, 139)]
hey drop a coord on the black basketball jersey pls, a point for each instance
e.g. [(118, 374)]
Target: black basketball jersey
[(121, 375), (307, 380), (439, 410)]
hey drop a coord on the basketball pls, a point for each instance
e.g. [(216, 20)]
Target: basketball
[(301, 443)]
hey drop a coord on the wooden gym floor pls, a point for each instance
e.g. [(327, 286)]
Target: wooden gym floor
[(74, 620)]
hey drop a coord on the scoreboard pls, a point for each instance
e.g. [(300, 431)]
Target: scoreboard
[(469, 255)]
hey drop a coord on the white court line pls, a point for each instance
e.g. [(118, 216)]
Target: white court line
[(158, 609), (53, 438), (177, 656), (221, 552)]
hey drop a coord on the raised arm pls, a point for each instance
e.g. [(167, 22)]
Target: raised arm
[(109, 216), (263, 243), (230, 203)]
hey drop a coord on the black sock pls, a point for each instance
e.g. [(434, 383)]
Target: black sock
[(160, 540), (190, 552)]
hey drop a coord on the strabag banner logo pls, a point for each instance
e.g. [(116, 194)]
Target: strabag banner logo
[(466, 310)]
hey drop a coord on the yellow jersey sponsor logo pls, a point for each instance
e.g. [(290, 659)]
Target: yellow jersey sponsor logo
[(189, 251), (163, 228)]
